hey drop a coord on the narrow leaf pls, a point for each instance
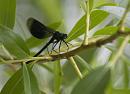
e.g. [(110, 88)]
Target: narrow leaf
[(13, 43), (7, 13), (26, 79), (14, 85), (100, 3), (107, 31), (94, 83), (79, 28), (96, 17), (119, 91), (58, 77), (83, 63), (30, 82)]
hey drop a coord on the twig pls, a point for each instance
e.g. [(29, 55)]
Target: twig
[(120, 50), (73, 52), (73, 63)]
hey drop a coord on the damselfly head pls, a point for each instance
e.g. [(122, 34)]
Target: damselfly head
[(65, 36), (59, 36)]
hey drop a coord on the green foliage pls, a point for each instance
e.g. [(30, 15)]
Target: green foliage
[(80, 26), (94, 83), (120, 91), (30, 82), (100, 3), (14, 84), (22, 82), (59, 77), (107, 31), (13, 43), (7, 13)]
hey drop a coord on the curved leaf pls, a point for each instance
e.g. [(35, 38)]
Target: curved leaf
[(7, 13), (99, 3), (80, 26), (83, 62), (13, 43), (30, 82), (18, 82), (107, 31), (94, 83), (58, 77), (96, 17), (77, 30), (14, 85)]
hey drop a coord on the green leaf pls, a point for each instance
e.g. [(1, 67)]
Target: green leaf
[(94, 83), (69, 74), (34, 84), (26, 79), (97, 16), (83, 63), (107, 4), (30, 82), (119, 91), (13, 43), (100, 3), (77, 30), (107, 31), (58, 77), (7, 13), (79, 27), (47, 66), (14, 85)]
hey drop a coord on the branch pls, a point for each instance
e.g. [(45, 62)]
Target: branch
[(97, 43), (73, 52)]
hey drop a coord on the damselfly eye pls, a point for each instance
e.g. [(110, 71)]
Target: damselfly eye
[(65, 36)]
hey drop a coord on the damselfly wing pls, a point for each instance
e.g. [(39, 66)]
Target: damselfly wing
[(38, 29)]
